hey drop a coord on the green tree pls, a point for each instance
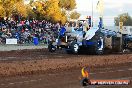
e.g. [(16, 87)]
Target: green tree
[(125, 18)]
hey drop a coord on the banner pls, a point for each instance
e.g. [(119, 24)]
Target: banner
[(11, 41)]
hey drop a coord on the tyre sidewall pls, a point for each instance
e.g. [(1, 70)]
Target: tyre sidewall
[(100, 46), (51, 48), (74, 47)]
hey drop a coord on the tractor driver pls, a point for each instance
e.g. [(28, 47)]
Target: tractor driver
[(85, 26), (85, 30)]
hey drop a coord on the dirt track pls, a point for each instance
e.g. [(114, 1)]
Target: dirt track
[(37, 64)]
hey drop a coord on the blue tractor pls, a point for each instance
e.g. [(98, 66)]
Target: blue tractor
[(95, 40), (79, 41)]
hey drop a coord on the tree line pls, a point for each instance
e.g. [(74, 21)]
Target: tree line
[(125, 18), (50, 10)]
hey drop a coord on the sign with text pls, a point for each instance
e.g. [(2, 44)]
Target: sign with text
[(11, 41)]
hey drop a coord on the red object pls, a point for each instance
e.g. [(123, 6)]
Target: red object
[(22, 22), (22, 30)]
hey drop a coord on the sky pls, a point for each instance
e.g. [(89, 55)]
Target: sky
[(112, 8)]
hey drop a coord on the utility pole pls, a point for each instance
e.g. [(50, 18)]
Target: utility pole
[(92, 13)]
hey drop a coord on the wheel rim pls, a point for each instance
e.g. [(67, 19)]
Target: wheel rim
[(76, 47), (101, 44)]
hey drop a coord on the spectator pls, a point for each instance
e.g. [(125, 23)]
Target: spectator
[(25, 30)]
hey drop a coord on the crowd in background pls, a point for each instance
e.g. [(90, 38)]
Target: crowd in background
[(24, 31)]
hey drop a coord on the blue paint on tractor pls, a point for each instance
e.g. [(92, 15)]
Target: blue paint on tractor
[(62, 31), (99, 44), (90, 43)]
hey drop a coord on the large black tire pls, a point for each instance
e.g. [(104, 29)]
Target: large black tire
[(51, 48), (68, 51), (74, 47)]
